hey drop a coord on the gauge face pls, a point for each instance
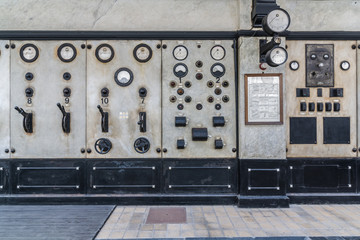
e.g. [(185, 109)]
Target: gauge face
[(67, 52), (294, 65), (142, 53), (180, 70), (123, 77), (104, 53), (217, 52), (217, 70), (276, 56), (277, 21), (180, 52), (29, 53), (345, 65)]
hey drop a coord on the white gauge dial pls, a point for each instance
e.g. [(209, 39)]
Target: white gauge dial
[(276, 56), (104, 53), (123, 77), (345, 65), (142, 53), (217, 70), (217, 52), (180, 70), (180, 52), (277, 21), (294, 65), (29, 52), (67, 52)]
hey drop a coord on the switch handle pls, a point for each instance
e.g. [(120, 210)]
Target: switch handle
[(101, 110), (27, 121), (62, 108), (65, 123), (104, 119)]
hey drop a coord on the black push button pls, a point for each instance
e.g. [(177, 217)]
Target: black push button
[(218, 121), (180, 144), (320, 107), (200, 134), (336, 92), (302, 92), (319, 92), (303, 106), (336, 107), (328, 107), (180, 121), (219, 144), (311, 107)]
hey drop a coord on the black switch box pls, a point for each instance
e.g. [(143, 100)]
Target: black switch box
[(336, 107), (302, 92), (311, 107), (303, 106), (218, 121), (328, 107), (180, 121), (200, 134), (336, 92), (219, 144), (180, 144), (320, 107)]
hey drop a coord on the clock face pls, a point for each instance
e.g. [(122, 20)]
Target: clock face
[(104, 53), (277, 21), (142, 53), (67, 52), (217, 52), (123, 77), (29, 53), (180, 52)]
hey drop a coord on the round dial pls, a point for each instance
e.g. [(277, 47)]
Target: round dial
[(142, 53), (29, 52), (276, 56), (66, 52), (217, 52), (180, 52), (277, 21), (345, 65), (217, 70), (294, 65), (123, 77), (104, 53), (141, 145), (180, 70)]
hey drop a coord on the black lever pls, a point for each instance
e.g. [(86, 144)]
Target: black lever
[(104, 119), (65, 120), (27, 122), (142, 121)]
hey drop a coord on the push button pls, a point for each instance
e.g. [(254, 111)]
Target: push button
[(311, 107), (180, 144), (180, 121), (328, 107), (218, 121), (219, 144), (336, 107), (303, 106), (320, 107)]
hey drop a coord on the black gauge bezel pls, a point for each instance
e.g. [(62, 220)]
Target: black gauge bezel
[(180, 64), (98, 49), (220, 58), (146, 150), (140, 46), (342, 64), (215, 75), (66, 45), (266, 27), (294, 69), (22, 50), (269, 60), (187, 52), (124, 84)]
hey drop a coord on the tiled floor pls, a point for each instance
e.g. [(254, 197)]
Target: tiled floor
[(230, 221)]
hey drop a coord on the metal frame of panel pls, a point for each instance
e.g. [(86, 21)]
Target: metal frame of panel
[(5, 99)]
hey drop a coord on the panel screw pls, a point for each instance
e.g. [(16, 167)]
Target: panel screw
[(234, 150), (164, 46), (353, 46), (89, 46), (158, 150), (83, 46), (12, 46), (354, 149), (88, 150), (7, 151), (164, 150), (359, 46), (13, 150), (158, 46), (82, 150), (7, 46)]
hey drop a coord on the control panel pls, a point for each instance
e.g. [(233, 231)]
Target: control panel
[(321, 99), (5, 99), (124, 99), (198, 99), (48, 99)]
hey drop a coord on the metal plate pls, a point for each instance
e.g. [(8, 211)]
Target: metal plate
[(5, 99), (48, 139), (199, 93), (302, 130), (166, 215), (123, 103), (336, 130)]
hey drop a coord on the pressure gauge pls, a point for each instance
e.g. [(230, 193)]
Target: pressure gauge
[(66, 52), (217, 52), (180, 52), (276, 56), (29, 52), (123, 77), (217, 70), (277, 21), (345, 65), (180, 70), (104, 53), (294, 65), (142, 53)]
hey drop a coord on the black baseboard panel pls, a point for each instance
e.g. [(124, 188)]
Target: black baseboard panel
[(324, 198), (4, 177), (263, 201)]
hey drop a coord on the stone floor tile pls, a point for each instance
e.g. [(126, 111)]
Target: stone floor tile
[(116, 235), (202, 233), (130, 234), (159, 234), (216, 233), (199, 226), (173, 227), (103, 235), (245, 233), (186, 227), (230, 233), (147, 227), (160, 227), (145, 234), (140, 209)]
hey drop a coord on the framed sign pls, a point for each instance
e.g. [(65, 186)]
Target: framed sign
[(263, 99)]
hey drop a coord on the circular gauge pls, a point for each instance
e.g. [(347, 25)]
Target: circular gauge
[(142, 53), (104, 53), (141, 145), (217, 70), (29, 52), (180, 52), (276, 56), (180, 70), (345, 65), (277, 21), (123, 77), (294, 65), (66, 52), (217, 52)]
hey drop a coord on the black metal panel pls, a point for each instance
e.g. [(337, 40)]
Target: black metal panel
[(207, 176), (124, 176), (262, 177), (336, 130), (303, 130), (4, 177), (321, 175), (48, 176)]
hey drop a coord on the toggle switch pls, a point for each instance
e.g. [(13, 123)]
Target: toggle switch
[(219, 144), (336, 107), (320, 107), (336, 92), (218, 121), (65, 123), (142, 121), (311, 106), (302, 92), (180, 144), (29, 92), (104, 92), (27, 121), (199, 134), (67, 92), (104, 119), (180, 121), (142, 92), (328, 107), (303, 106)]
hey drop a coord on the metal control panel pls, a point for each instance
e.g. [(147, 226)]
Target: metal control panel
[(124, 99), (5, 99), (321, 97), (198, 99), (48, 99)]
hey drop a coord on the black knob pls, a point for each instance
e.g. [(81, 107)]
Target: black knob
[(67, 92), (88, 150), (218, 106), (7, 151), (13, 150), (354, 149), (104, 92), (67, 76), (29, 76), (199, 106), (29, 92), (82, 150), (142, 92), (158, 150), (164, 150)]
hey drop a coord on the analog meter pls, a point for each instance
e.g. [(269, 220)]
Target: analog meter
[(29, 52), (276, 56), (123, 77), (294, 65), (104, 53), (277, 21), (66, 52), (217, 70), (180, 52), (345, 65), (142, 53), (217, 52), (180, 70)]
